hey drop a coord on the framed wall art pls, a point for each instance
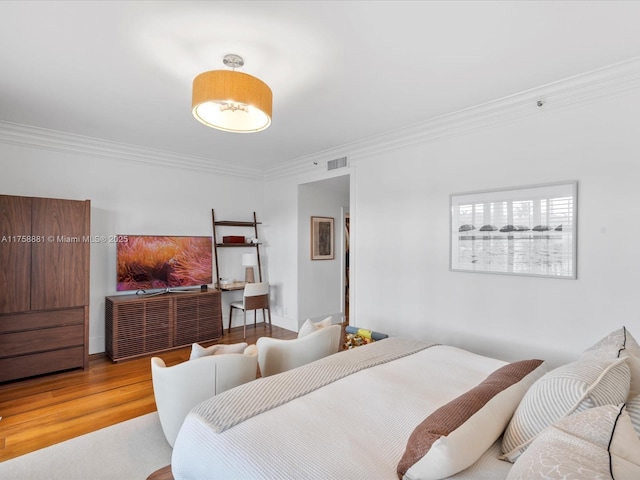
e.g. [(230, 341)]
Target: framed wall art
[(322, 244), (530, 230)]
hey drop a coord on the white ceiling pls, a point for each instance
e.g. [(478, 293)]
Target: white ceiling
[(340, 71)]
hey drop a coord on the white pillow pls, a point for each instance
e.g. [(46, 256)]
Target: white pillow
[(633, 409), (310, 326), (568, 389), (595, 444), (454, 436), (619, 344), (198, 351)]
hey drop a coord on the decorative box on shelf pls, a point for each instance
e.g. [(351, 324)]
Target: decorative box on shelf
[(233, 239)]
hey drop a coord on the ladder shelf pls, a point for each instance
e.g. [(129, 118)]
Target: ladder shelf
[(217, 244)]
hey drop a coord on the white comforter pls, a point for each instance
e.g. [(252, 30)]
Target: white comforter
[(354, 428)]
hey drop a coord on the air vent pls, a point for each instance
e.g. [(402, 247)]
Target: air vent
[(337, 163)]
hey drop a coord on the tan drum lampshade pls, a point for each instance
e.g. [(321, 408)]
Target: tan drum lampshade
[(232, 101)]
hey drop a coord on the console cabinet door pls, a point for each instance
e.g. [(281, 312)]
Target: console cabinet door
[(58, 269), (15, 254), (198, 318)]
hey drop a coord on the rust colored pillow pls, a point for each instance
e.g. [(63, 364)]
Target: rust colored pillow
[(454, 436)]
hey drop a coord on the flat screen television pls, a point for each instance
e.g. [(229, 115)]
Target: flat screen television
[(148, 262)]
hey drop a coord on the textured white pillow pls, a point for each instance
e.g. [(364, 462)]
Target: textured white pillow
[(583, 446), (198, 351), (568, 389), (619, 344), (633, 409), (310, 326)]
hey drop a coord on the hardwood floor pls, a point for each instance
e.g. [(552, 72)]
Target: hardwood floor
[(43, 411)]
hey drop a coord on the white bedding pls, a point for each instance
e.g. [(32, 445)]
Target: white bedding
[(354, 428)]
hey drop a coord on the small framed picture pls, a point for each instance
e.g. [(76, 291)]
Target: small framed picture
[(322, 238)]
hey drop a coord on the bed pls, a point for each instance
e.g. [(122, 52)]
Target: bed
[(361, 413)]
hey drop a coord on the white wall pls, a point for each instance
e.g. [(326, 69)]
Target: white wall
[(403, 283), (130, 198), (281, 245)]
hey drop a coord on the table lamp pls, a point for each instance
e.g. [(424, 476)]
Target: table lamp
[(249, 260)]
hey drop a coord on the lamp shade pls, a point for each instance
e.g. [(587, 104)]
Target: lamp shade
[(249, 259), (232, 101)]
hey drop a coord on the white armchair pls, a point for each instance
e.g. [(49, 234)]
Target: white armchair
[(277, 355), (179, 388)]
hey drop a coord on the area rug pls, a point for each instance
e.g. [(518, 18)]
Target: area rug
[(130, 450)]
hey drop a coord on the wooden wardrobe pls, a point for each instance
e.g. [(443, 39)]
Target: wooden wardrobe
[(44, 285)]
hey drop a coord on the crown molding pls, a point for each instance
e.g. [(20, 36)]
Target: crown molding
[(583, 89), (35, 137)]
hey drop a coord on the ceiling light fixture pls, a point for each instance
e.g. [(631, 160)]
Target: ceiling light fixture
[(232, 101)]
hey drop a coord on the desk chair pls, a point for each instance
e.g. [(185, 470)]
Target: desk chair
[(255, 297)]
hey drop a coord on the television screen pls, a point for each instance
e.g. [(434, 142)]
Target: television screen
[(147, 262)]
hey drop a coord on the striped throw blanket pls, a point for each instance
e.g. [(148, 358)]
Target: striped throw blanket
[(240, 403)]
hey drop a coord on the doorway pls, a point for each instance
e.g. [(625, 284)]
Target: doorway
[(324, 286)]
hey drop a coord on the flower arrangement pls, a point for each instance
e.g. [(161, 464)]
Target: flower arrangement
[(354, 340)]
